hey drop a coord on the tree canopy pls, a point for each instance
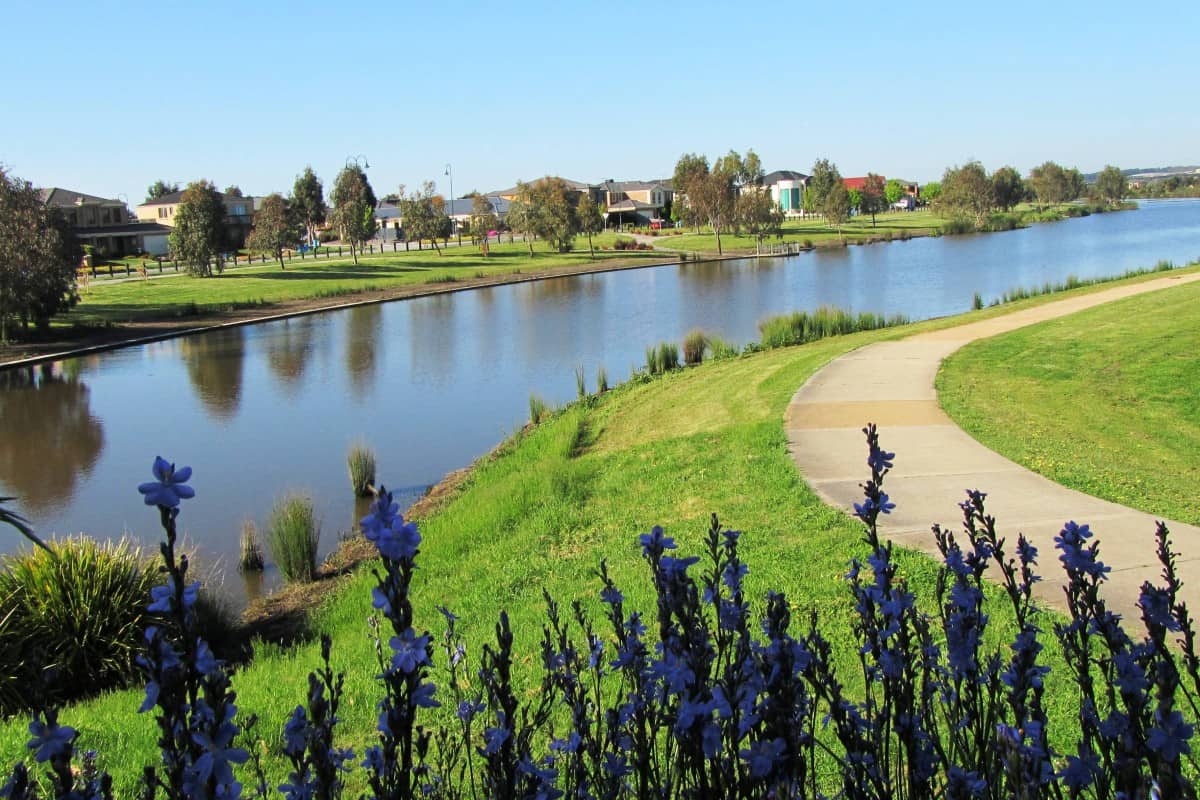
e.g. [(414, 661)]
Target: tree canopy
[(893, 190), (555, 218), (1054, 185), (1111, 185), (424, 215), (1007, 188), (966, 191), (39, 256), (873, 198), (276, 226), (824, 177), (353, 208), (160, 188), (591, 220), (308, 200), (483, 221), (199, 232)]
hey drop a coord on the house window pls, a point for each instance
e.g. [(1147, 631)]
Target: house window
[(239, 211)]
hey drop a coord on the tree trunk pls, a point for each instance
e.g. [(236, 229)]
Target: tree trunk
[(353, 252), (279, 255), (591, 252)]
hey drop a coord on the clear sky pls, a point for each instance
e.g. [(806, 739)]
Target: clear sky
[(105, 97)]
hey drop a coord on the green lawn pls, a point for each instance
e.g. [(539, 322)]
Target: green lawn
[(896, 224), (1104, 401), (561, 497), (174, 294)]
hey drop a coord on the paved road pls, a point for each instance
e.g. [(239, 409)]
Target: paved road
[(892, 384)]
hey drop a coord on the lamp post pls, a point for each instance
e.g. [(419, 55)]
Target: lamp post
[(355, 159), (453, 222)]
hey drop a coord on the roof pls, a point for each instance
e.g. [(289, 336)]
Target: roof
[(128, 229), (576, 185), (858, 183), (66, 198), (772, 178), (635, 186), (631, 205), (461, 207)]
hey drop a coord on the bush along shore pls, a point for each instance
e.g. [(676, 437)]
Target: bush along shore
[(692, 697)]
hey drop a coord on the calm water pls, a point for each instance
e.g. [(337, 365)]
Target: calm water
[(432, 383)]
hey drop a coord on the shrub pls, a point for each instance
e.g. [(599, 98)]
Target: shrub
[(721, 349), (668, 357), (293, 534), (361, 461), (580, 383), (652, 365), (977, 302), (695, 345), (71, 620), (601, 380), (958, 226)]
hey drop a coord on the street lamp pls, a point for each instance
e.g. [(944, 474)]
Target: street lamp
[(355, 159), (453, 222)]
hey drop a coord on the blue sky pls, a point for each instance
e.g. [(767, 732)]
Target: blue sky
[(107, 97)]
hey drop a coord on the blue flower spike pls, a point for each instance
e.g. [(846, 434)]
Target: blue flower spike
[(169, 487)]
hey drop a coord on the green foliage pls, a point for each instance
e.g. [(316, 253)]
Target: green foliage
[(1111, 185), (483, 220), (1054, 185), (1007, 188), (424, 215), (276, 226), (893, 190), (966, 192), (666, 358), (801, 327), (758, 214), (695, 345), (931, 191), (720, 348), (38, 257), (293, 534), (198, 237), (71, 620), (308, 199), (856, 199), (591, 220), (553, 205), (361, 461), (250, 556), (873, 198), (977, 302), (580, 383), (160, 188), (601, 380), (353, 208), (836, 206)]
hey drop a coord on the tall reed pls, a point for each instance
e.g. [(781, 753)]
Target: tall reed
[(601, 380), (250, 558), (695, 345), (803, 326), (361, 460)]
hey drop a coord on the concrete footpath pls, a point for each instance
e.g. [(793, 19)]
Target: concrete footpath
[(892, 385)]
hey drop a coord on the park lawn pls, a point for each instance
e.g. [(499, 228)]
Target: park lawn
[(1103, 401), (554, 502), (176, 295), (896, 224)]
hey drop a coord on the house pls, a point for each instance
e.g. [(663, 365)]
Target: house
[(391, 223), (510, 194), (787, 190), (238, 220), (638, 203), (106, 225)]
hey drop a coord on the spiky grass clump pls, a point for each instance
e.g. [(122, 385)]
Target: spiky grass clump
[(719, 348), (601, 380), (251, 557), (580, 383), (71, 620), (802, 327), (668, 357), (695, 345), (292, 536), (361, 461), (537, 409)]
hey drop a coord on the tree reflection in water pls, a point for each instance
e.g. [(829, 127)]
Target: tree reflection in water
[(49, 439), (214, 365), (363, 344), (289, 350)]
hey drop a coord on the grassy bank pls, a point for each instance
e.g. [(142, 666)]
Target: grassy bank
[(1103, 401), (558, 499)]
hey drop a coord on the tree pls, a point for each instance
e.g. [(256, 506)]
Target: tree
[(276, 226), (233, 191), (522, 216), (424, 215), (1111, 185), (966, 191), (1007, 188), (874, 196), (38, 257), (353, 207), (758, 213), (1076, 186), (893, 190), (1050, 183), (836, 206), (931, 191), (855, 199), (710, 193), (591, 220), (483, 220), (160, 188), (555, 217), (689, 168), (199, 231), (308, 200), (824, 177)]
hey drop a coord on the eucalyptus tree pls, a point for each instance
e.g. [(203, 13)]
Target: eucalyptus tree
[(308, 199), (198, 235), (276, 226), (354, 207)]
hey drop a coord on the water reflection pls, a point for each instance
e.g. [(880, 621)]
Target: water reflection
[(432, 339), (289, 351), (363, 343), (49, 438), (214, 365)]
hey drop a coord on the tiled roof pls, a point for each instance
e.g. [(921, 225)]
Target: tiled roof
[(66, 198)]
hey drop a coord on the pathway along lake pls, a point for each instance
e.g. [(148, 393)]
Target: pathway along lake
[(432, 383)]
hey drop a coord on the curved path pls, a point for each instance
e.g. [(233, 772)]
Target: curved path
[(892, 385)]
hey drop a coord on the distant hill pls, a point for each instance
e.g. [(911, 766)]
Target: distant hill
[(1149, 172)]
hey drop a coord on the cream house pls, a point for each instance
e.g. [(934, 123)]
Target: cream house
[(105, 224), (238, 221)]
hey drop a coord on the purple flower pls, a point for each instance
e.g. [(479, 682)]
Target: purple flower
[(494, 739), (1080, 772), (879, 460), (761, 756), (1169, 738), (396, 542), (50, 740), (169, 487), (382, 513), (654, 542), (422, 696), (162, 597), (295, 733), (410, 651)]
